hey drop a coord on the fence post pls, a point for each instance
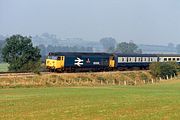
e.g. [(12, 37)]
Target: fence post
[(144, 81), (135, 82), (113, 82), (107, 82), (125, 83), (167, 77), (101, 82), (119, 82), (14, 81), (152, 81), (171, 77)]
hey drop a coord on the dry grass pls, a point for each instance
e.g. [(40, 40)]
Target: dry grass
[(77, 79)]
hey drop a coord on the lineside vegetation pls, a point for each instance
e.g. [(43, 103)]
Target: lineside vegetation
[(164, 69)]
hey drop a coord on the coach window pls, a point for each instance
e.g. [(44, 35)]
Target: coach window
[(145, 59), (165, 59), (177, 59), (169, 59), (122, 59), (174, 59), (129, 59)]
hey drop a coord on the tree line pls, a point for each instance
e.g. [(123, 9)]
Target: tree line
[(110, 45), (18, 51)]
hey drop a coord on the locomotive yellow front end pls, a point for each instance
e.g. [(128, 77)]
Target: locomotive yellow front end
[(112, 61), (55, 63)]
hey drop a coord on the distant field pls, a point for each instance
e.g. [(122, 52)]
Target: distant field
[(158, 101), (3, 67)]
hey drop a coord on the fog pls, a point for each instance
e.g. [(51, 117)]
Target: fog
[(143, 21)]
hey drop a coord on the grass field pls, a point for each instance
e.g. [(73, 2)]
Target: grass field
[(157, 101), (3, 67)]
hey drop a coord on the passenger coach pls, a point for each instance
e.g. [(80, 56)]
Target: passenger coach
[(139, 61)]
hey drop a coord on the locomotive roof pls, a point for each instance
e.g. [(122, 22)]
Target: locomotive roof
[(77, 53)]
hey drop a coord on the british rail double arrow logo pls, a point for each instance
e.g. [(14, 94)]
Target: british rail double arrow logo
[(78, 62)]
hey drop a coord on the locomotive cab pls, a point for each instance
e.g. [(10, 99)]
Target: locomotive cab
[(111, 61), (55, 62)]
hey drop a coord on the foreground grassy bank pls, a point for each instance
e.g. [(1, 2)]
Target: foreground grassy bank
[(157, 101), (77, 79)]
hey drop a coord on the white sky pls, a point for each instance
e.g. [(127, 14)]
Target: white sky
[(143, 21)]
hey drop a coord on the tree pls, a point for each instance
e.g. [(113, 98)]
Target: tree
[(128, 48), (164, 69), (2, 42), (108, 43), (20, 54)]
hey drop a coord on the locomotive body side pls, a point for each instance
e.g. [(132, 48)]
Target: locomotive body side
[(82, 62)]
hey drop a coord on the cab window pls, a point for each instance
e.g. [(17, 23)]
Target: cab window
[(59, 58), (49, 57), (53, 57)]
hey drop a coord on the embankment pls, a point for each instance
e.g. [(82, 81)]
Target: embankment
[(77, 79)]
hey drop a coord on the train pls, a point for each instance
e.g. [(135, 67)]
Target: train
[(79, 61)]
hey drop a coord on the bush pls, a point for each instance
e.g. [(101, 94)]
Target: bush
[(144, 77), (163, 69)]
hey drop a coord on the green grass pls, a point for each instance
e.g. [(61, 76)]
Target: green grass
[(158, 101), (3, 67)]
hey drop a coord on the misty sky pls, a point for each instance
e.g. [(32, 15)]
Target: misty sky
[(143, 21)]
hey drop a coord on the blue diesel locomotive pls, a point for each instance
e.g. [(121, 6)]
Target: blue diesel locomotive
[(72, 62)]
